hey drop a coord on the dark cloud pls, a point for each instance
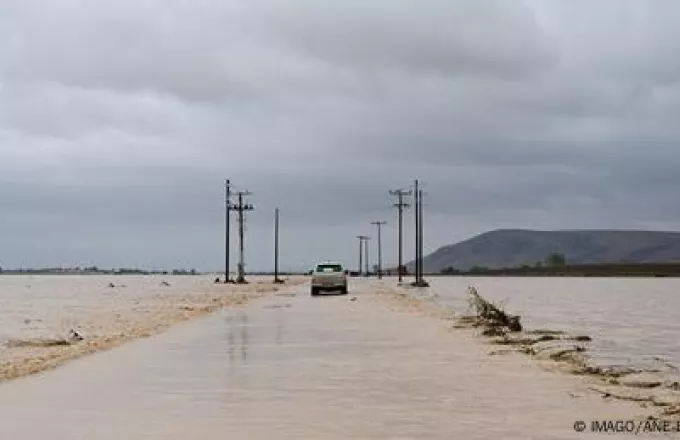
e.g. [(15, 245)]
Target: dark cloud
[(120, 122), (492, 38)]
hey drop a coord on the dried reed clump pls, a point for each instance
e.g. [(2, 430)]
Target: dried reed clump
[(490, 316), (505, 329)]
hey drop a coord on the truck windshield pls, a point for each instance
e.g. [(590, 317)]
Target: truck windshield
[(329, 268)]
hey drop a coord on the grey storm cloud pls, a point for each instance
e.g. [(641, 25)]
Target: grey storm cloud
[(119, 122)]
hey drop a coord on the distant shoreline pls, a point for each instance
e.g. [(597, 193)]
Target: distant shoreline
[(652, 270), (93, 272), (129, 272)]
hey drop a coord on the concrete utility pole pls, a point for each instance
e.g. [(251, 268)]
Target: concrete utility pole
[(277, 280), (400, 205), (423, 283), (241, 209), (227, 231), (416, 211), (379, 224), (361, 248), (417, 195), (368, 273)]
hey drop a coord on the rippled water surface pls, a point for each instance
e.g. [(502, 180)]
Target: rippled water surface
[(631, 320)]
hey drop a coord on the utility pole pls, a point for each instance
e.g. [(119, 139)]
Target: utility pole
[(418, 205), (241, 208), (361, 247), (416, 211), (400, 205), (368, 273), (379, 224), (423, 283), (277, 280), (227, 231)]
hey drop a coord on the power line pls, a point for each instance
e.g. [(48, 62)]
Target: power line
[(379, 224), (400, 205)]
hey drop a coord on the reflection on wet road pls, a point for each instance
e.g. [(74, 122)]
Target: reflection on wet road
[(296, 367)]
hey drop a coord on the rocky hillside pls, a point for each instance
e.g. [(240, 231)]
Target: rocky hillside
[(515, 247)]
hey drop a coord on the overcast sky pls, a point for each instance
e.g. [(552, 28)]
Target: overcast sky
[(120, 120)]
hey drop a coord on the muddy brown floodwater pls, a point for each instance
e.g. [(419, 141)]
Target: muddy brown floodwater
[(39, 314), (292, 366)]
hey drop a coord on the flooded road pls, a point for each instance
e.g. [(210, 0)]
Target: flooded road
[(292, 366)]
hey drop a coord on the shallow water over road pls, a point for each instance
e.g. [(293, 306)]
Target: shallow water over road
[(301, 367)]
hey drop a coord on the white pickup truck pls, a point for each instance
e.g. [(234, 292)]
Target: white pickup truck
[(329, 276)]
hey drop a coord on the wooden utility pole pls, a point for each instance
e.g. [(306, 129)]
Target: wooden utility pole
[(401, 205)]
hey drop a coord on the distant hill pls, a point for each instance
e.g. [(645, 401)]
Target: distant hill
[(515, 247)]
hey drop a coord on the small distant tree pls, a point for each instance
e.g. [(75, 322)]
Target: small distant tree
[(555, 260), (449, 270)]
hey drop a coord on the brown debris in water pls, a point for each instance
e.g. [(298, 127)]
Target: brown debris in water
[(668, 405), (107, 330), (542, 331), (73, 338), (492, 316), (570, 354), (17, 343)]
